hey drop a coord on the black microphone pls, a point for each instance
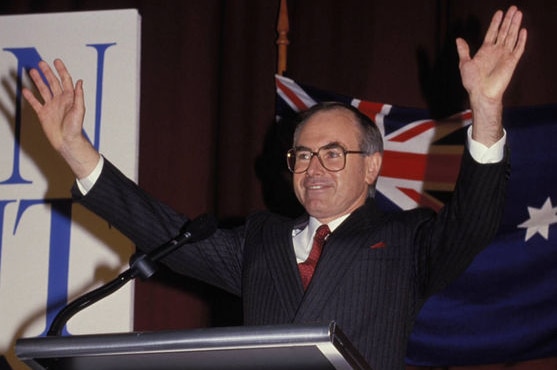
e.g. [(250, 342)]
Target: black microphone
[(143, 265)]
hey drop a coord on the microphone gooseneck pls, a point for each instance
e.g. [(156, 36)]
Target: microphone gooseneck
[(141, 264)]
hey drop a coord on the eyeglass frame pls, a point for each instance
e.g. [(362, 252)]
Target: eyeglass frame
[(292, 151)]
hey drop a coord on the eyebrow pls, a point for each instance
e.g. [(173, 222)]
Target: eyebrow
[(326, 146)]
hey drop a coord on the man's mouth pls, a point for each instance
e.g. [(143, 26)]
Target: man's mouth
[(315, 185)]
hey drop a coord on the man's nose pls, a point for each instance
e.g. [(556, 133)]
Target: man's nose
[(315, 165)]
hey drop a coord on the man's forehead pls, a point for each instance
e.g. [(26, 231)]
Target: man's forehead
[(330, 126)]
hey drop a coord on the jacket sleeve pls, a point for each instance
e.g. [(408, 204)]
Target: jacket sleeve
[(136, 214), (466, 224), (149, 223)]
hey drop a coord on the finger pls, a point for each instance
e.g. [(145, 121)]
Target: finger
[(511, 40), (79, 101), (65, 77), (492, 31), (40, 84), (32, 100), (52, 80), (463, 50), (503, 32), (520, 44)]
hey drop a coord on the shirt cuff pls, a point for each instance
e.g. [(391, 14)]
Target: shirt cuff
[(85, 184), (483, 154)]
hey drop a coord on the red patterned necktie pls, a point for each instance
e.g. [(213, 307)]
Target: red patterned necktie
[(308, 266)]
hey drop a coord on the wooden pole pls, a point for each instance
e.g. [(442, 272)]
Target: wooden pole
[(282, 40)]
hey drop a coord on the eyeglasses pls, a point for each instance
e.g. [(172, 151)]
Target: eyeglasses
[(332, 157)]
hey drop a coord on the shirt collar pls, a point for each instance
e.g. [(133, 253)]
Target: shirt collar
[(314, 223)]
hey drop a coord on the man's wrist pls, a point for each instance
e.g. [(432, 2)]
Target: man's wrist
[(483, 154), (86, 184)]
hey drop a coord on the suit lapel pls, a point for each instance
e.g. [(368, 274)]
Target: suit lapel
[(339, 253), (281, 261)]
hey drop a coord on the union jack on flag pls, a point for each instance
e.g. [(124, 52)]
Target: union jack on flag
[(503, 307), (422, 156)]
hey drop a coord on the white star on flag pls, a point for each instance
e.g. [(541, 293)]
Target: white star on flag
[(539, 221)]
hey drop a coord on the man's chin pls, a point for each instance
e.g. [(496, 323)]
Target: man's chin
[(317, 209)]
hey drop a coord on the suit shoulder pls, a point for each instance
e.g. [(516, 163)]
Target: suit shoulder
[(260, 218), (408, 219)]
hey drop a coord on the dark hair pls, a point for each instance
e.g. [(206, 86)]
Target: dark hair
[(371, 140)]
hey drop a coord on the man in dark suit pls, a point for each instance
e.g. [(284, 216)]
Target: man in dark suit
[(374, 270)]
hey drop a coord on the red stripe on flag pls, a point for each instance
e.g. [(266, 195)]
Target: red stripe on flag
[(292, 96), (407, 166), (423, 200), (465, 115), (413, 132), (436, 168), (370, 109)]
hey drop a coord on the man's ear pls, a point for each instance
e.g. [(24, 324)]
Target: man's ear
[(373, 167)]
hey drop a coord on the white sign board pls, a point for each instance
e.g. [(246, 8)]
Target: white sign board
[(52, 250)]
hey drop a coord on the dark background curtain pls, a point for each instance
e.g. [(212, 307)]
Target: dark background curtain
[(207, 98)]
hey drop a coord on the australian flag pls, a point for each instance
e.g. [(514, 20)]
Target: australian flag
[(504, 307)]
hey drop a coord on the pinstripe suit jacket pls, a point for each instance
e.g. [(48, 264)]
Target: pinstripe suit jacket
[(375, 272)]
